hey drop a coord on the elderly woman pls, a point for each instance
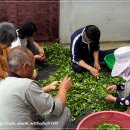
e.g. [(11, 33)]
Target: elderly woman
[(7, 36)]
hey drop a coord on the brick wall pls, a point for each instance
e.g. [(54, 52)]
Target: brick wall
[(45, 14)]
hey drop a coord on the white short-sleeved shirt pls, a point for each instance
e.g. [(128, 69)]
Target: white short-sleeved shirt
[(21, 99), (19, 42)]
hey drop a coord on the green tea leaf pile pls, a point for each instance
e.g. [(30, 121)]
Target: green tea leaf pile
[(88, 92)]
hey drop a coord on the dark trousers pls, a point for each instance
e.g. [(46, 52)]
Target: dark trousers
[(34, 50), (31, 47), (102, 54)]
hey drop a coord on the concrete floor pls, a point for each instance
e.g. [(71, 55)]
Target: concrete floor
[(111, 45), (108, 45)]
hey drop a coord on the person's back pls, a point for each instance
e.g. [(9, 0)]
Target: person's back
[(14, 95), (76, 33)]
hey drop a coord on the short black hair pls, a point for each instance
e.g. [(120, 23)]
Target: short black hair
[(93, 33), (27, 30)]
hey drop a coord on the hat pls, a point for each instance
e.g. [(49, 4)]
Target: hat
[(122, 57)]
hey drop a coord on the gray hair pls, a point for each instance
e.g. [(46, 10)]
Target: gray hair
[(7, 33), (18, 56)]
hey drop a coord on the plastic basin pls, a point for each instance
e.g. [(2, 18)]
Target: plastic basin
[(113, 117), (110, 60)]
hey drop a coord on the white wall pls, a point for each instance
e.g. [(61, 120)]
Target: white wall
[(112, 18)]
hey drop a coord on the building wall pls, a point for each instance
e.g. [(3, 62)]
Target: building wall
[(112, 18), (45, 14)]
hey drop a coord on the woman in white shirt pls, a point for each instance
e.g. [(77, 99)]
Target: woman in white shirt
[(25, 38)]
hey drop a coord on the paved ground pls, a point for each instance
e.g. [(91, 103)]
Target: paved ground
[(109, 45), (46, 71)]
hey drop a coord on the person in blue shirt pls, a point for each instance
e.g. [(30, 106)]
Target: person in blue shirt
[(121, 68), (85, 50)]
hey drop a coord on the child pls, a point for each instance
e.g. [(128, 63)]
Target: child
[(85, 50), (121, 68)]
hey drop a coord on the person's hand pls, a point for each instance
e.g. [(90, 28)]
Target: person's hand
[(53, 85), (66, 84), (41, 51), (111, 88), (50, 87), (40, 58), (43, 59), (109, 97), (97, 66), (37, 57), (94, 71)]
